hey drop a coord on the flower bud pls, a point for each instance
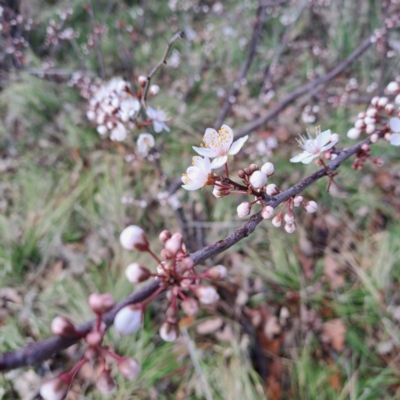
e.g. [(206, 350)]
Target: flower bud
[(369, 120), (374, 101), (187, 263), (61, 326), (142, 80), (101, 303), (218, 192), (268, 168), (353, 133), (106, 383), (94, 338), (128, 320), (253, 167), (393, 87), (371, 112), (136, 273), (172, 314), (389, 109), (206, 294), (134, 238), (244, 209), (190, 306), (272, 189), (370, 128), (217, 272), (55, 389), (334, 137), (311, 207), (382, 102), (153, 90), (174, 244), (297, 201), (164, 236), (267, 212), (374, 138), (289, 216), (397, 99), (290, 227), (129, 368), (101, 129), (277, 220), (258, 179), (359, 124), (169, 332)]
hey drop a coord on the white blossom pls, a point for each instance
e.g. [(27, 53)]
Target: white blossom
[(313, 148), (158, 117), (394, 124), (219, 144), (197, 175), (144, 143)]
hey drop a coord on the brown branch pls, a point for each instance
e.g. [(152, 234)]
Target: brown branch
[(40, 351), (302, 90)]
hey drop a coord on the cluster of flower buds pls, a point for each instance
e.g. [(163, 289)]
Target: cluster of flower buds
[(175, 271), (381, 119), (309, 114), (55, 31), (57, 388)]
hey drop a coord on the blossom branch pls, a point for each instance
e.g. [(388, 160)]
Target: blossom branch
[(40, 351)]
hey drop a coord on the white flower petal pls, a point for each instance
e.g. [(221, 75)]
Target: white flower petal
[(192, 186), (394, 124), (308, 159), (237, 145), (205, 152), (395, 139), (219, 162), (299, 157), (328, 146), (323, 137)]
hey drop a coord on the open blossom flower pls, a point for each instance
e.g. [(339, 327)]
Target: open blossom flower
[(394, 124), (219, 144), (144, 143), (313, 148), (159, 117), (198, 175)]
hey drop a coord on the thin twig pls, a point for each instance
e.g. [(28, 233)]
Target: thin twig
[(302, 90), (96, 41), (385, 47), (163, 60), (40, 351)]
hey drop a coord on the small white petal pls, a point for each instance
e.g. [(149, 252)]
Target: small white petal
[(299, 157), (237, 145), (395, 139), (394, 124), (205, 152), (219, 162)]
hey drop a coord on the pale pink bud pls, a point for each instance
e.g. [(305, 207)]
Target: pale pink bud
[(359, 124), (91, 353), (101, 129), (272, 189), (268, 169), (277, 220), (361, 114), (134, 238), (297, 201), (217, 272), (389, 109), (129, 368), (190, 307), (128, 320), (393, 87), (61, 326), (142, 80), (290, 227), (90, 115), (206, 294), (353, 133), (187, 263), (258, 179), (165, 254), (101, 303), (289, 216), (374, 138), (267, 212), (369, 120), (371, 112), (374, 101), (55, 389), (172, 314), (164, 236), (370, 128), (136, 273), (162, 268), (174, 244), (169, 332), (106, 383), (382, 102), (94, 338), (217, 192), (311, 206), (154, 89), (244, 209)]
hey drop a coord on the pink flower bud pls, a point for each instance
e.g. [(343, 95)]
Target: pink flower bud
[(106, 383), (353, 133), (217, 272), (369, 120), (94, 338), (174, 244), (389, 109), (267, 212), (393, 87), (258, 179), (55, 389), (190, 307), (217, 192), (374, 138), (272, 189), (371, 112), (289, 216), (277, 220), (397, 99), (359, 124), (311, 207), (142, 80), (370, 128), (290, 227), (244, 209), (136, 273), (128, 320), (153, 90), (187, 263), (129, 368), (268, 169), (374, 101), (297, 201), (134, 238), (172, 314), (206, 294), (101, 303), (382, 102), (169, 332), (61, 326), (164, 236)]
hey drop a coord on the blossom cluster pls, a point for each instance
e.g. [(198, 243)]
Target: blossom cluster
[(176, 273), (56, 32)]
